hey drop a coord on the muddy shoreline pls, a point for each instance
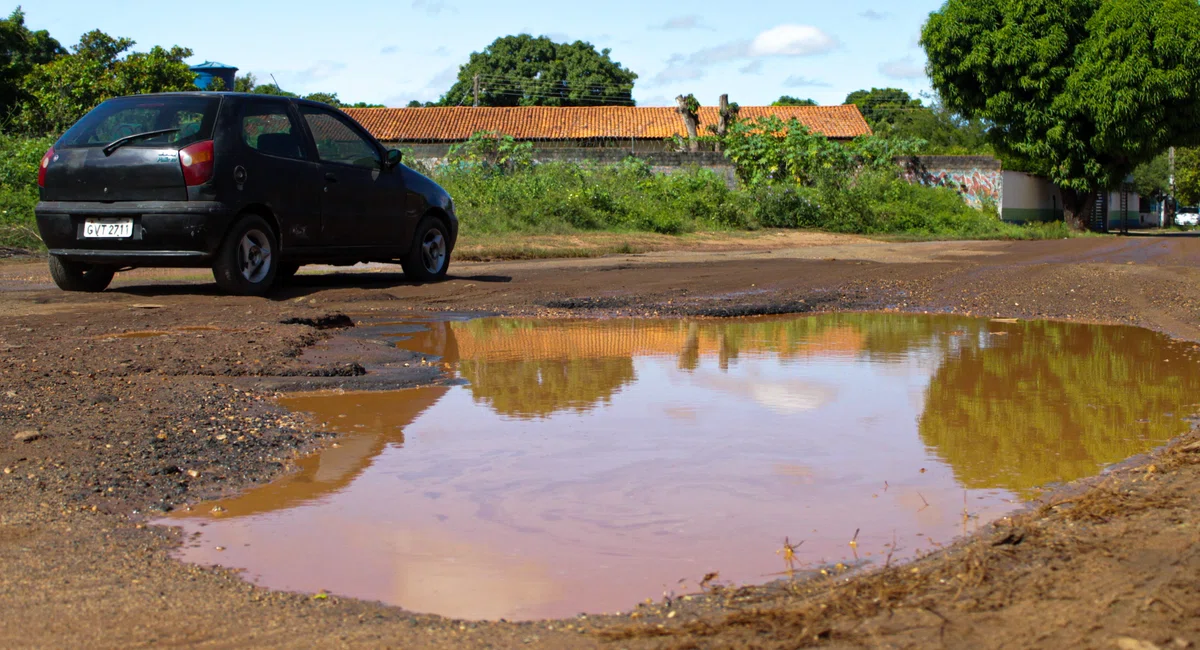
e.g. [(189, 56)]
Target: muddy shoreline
[(116, 429)]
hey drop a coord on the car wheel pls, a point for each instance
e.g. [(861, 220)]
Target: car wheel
[(77, 276), (429, 258), (245, 263)]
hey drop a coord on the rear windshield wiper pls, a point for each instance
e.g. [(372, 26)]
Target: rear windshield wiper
[(120, 142)]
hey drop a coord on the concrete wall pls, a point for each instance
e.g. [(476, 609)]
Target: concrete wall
[(979, 179), (1029, 198), (662, 162)]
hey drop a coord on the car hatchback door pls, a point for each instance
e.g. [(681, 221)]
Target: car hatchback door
[(362, 202)]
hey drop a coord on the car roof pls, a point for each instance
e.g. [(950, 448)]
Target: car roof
[(230, 93)]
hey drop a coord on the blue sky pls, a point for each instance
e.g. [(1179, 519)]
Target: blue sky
[(393, 52)]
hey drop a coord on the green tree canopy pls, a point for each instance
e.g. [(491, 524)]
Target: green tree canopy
[(325, 98), (788, 100), (272, 89), (943, 132), (882, 106), (1153, 179), (1079, 91), (21, 50), (245, 83), (525, 70), (100, 67)]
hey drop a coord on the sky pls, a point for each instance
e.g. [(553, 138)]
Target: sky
[(394, 52)]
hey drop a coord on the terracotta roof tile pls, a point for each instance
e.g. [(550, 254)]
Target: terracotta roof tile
[(457, 123)]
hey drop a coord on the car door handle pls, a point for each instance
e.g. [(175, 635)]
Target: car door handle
[(330, 177)]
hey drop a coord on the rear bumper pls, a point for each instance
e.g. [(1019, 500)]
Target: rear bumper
[(165, 233)]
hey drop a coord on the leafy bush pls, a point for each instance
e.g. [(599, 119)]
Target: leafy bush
[(560, 197), (19, 159), (770, 151)]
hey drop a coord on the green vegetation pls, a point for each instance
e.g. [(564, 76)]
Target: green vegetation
[(893, 113), (524, 70), (790, 178), (788, 100), (19, 158), (1078, 91)]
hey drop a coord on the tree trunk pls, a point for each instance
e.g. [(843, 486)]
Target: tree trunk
[(1077, 208), (725, 118), (691, 122)]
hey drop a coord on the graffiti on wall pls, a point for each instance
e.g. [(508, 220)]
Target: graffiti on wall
[(977, 186)]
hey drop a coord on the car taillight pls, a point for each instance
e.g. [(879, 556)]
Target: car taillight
[(42, 167), (197, 163)]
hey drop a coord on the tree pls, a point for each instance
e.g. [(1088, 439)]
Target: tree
[(20, 51), (689, 109), (1079, 91), (882, 106), (272, 89), (325, 98), (60, 92), (527, 71), (788, 100), (245, 83), (944, 133), (1153, 179), (1187, 175)]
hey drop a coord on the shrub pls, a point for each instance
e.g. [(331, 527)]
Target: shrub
[(19, 159)]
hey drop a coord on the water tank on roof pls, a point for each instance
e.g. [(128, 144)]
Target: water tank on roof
[(209, 70)]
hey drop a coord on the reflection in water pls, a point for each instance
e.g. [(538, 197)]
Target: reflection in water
[(585, 466), (1054, 402)]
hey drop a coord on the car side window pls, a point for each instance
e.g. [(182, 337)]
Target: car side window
[(267, 128), (337, 142)]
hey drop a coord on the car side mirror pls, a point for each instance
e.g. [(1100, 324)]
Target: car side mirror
[(393, 158)]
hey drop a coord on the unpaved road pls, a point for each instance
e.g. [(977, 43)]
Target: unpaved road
[(116, 429)]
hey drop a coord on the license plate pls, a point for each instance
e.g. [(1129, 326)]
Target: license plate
[(108, 228)]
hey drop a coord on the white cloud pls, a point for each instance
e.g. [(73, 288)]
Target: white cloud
[(320, 70), (754, 67), (781, 41), (798, 81), (792, 40), (682, 23), (902, 69)]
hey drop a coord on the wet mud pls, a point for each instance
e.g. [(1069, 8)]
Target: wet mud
[(100, 435)]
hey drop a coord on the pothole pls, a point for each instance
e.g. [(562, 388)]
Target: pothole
[(584, 466)]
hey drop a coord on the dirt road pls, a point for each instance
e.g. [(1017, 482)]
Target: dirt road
[(102, 428)]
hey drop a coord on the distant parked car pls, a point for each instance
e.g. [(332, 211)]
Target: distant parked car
[(253, 186), (1187, 216)]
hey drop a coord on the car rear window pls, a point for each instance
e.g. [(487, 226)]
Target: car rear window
[(125, 116)]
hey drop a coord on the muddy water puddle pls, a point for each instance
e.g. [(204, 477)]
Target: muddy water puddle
[(584, 466)]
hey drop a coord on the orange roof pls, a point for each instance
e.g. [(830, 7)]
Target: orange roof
[(457, 123)]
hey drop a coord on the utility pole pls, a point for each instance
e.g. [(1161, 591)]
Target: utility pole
[(1169, 208), (476, 91)]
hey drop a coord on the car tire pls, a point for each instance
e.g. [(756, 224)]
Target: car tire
[(429, 258), (78, 276), (245, 264)]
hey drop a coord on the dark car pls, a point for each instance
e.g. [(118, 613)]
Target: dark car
[(253, 186)]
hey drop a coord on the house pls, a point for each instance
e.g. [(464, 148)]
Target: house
[(630, 129), (1017, 197)]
